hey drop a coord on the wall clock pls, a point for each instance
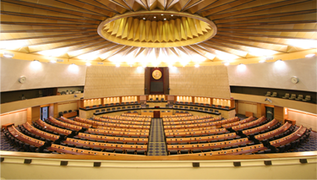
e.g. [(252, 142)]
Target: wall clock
[(157, 74), (22, 79), (294, 80)]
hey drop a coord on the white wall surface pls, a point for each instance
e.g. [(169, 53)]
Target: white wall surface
[(273, 75), (17, 117), (44, 76), (305, 119)]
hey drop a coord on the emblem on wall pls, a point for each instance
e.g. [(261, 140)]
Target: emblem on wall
[(157, 74)]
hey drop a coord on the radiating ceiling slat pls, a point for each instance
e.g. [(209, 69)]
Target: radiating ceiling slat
[(272, 15), (49, 17), (55, 9), (256, 7), (224, 7), (88, 7)]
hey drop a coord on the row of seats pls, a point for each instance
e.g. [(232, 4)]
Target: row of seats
[(291, 97), (196, 133), (208, 124), (177, 115), (190, 121), (203, 105), (121, 121), (106, 147), (98, 123), (136, 145), (206, 110), (114, 109), (186, 118), (60, 149), (207, 147), (126, 116)]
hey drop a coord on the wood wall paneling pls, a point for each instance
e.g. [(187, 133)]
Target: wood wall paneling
[(279, 113), (36, 113), (211, 81), (105, 81)]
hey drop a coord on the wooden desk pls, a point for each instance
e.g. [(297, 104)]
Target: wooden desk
[(293, 122), (248, 114), (5, 126), (71, 114)]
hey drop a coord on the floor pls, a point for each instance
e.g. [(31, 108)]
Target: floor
[(157, 145)]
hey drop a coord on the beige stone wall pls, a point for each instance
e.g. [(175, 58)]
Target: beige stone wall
[(211, 81), (104, 81)]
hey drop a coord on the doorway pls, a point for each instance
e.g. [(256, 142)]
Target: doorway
[(269, 113), (44, 113)]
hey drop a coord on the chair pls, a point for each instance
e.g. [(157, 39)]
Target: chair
[(286, 96), (118, 151), (184, 151), (274, 94), (206, 150), (130, 151), (299, 98), (293, 96), (196, 151), (307, 98), (268, 93), (172, 152), (96, 149), (140, 152)]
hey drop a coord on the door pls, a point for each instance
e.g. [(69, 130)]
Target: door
[(269, 113), (157, 114), (44, 113)]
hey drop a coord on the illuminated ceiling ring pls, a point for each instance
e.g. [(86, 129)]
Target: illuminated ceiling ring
[(174, 30)]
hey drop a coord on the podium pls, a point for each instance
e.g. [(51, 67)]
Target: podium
[(157, 114)]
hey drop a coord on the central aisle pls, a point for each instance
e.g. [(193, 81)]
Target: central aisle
[(157, 144)]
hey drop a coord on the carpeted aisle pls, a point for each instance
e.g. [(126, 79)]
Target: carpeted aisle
[(157, 145)]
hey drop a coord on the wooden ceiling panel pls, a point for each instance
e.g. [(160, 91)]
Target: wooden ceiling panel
[(242, 25), (39, 7), (253, 7)]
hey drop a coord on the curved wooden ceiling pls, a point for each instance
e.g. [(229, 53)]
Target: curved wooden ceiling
[(245, 28)]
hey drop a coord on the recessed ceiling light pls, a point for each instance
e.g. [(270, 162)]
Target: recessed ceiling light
[(154, 16), (162, 14), (144, 18), (172, 15), (310, 55), (164, 19)]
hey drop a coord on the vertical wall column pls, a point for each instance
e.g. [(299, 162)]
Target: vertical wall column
[(279, 113)]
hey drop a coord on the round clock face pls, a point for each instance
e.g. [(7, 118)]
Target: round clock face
[(157, 74), (295, 80)]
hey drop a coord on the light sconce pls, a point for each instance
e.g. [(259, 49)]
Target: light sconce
[(269, 100), (8, 55), (310, 55)]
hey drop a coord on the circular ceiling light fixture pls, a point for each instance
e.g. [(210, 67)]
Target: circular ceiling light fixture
[(183, 30)]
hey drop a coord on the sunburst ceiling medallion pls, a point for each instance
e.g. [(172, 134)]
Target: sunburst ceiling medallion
[(157, 29)]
